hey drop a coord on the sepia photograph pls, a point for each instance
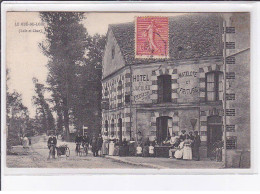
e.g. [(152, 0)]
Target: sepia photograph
[(127, 90)]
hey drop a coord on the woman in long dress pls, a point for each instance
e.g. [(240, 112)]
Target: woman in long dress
[(187, 151), (179, 152), (111, 148), (104, 150)]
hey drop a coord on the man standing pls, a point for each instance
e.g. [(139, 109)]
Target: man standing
[(52, 142), (85, 140), (85, 143), (191, 137), (78, 140), (99, 143), (196, 145), (94, 146)]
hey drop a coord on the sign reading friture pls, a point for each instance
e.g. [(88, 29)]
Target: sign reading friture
[(188, 84), (151, 37)]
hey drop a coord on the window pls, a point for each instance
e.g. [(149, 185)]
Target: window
[(106, 127), (113, 52), (127, 98), (106, 92), (112, 127), (231, 142), (164, 88), (120, 92), (214, 86)]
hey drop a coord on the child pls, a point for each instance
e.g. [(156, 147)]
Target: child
[(138, 150), (151, 150)]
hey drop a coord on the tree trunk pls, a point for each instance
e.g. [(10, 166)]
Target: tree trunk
[(66, 123), (66, 118)]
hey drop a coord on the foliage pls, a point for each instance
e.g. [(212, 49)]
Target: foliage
[(87, 101), (74, 66), (65, 47), (17, 116), (43, 111)]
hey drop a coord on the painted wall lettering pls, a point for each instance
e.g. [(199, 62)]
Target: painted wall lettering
[(141, 86), (188, 84), (140, 78)]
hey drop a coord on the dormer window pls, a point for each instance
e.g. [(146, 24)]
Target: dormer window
[(113, 52)]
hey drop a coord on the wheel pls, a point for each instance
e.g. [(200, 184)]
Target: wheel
[(67, 152), (86, 150), (80, 152)]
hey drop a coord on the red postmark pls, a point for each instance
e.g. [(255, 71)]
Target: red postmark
[(151, 39)]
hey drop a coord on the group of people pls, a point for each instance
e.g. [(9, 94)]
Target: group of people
[(185, 146), (85, 141), (115, 147)]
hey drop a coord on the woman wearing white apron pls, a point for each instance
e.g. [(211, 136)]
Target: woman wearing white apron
[(187, 152), (111, 148), (179, 152)]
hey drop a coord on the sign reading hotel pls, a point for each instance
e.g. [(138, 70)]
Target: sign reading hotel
[(151, 37), (141, 86)]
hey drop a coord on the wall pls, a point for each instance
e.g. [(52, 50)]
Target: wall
[(185, 116), (143, 123), (111, 65), (239, 86)]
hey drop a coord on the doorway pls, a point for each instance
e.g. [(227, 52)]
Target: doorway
[(214, 134), (162, 128)]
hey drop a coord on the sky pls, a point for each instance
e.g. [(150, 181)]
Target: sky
[(23, 55)]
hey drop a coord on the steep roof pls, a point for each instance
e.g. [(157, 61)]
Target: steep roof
[(190, 36)]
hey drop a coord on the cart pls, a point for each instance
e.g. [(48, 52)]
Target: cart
[(63, 150)]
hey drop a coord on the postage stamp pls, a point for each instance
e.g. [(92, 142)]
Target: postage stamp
[(152, 34)]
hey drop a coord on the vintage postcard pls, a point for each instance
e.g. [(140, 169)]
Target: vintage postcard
[(127, 90)]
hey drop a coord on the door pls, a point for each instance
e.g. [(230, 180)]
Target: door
[(162, 128), (214, 134)]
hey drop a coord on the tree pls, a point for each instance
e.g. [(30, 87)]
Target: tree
[(43, 109), (65, 44), (17, 116), (86, 108)]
